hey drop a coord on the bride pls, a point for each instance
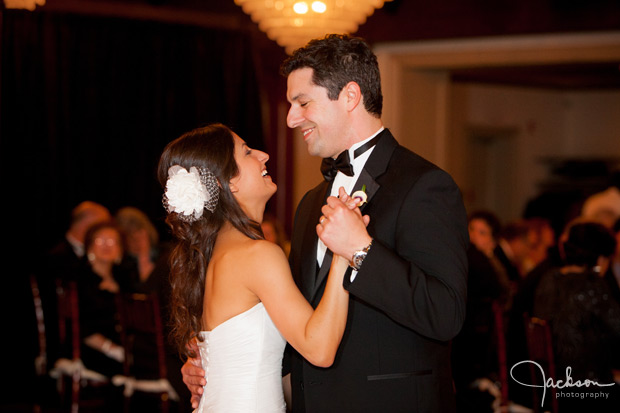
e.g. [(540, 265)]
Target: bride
[(232, 291)]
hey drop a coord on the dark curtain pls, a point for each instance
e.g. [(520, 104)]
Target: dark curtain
[(87, 104)]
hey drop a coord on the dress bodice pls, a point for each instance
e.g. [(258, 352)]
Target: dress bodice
[(242, 359)]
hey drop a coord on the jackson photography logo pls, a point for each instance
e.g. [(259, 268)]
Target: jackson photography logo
[(567, 388)]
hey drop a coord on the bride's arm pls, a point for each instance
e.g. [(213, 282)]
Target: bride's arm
[(315, 334)]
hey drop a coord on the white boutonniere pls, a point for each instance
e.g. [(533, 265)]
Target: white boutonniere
[(360, 196)]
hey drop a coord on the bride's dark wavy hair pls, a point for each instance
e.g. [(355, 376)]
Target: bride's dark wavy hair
[(210, 147)]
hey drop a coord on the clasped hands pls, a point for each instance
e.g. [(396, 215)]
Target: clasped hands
[(342, 227)]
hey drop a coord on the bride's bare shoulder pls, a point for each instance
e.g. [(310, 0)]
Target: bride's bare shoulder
[(252, 252), (262, 250)]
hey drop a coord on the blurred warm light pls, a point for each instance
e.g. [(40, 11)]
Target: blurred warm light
[(319, 6), (301, 7), (292, 23), (23, 4)]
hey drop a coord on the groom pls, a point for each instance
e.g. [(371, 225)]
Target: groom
[(408, 279)]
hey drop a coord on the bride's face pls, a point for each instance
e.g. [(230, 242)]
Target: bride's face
[(252, 183)]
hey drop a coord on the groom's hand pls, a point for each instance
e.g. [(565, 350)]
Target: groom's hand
[(342, 227), (194, 376), (194, 379)]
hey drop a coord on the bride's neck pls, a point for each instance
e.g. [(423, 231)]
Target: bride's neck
[(228, 231)]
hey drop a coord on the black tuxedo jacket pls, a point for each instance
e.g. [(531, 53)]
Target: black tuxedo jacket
[(408, 299)]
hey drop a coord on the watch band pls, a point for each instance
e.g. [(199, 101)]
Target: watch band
[(359, 256)]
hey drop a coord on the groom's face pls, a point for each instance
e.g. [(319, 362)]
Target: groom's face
[(320, 120)]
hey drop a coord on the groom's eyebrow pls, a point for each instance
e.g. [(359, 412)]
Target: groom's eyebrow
[(297, 97)]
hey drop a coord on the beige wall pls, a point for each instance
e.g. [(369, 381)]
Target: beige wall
[(592, 123), (306, 169), (504, 133)]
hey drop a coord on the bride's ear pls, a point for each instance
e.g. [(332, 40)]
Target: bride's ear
[(233, 188)]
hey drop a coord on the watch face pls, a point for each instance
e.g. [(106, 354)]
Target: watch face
[(358, 259)]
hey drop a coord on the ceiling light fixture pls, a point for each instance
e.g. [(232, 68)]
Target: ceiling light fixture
[(292, 23), (23, 4)]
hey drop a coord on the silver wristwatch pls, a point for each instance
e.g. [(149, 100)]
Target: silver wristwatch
[(358, 257)]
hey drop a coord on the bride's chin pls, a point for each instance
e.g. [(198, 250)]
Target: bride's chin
[(274, 190)]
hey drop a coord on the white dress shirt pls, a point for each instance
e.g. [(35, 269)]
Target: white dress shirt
[(348, 182)]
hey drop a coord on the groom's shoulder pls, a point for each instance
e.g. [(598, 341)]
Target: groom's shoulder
[(406, 156), (406, 167), (402, 160)]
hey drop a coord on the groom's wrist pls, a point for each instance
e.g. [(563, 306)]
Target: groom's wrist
[(359, 255)]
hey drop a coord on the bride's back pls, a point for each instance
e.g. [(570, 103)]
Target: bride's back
[(241, 349), (227, 291)]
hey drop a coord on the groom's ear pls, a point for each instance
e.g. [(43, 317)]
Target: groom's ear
[(353, 95)]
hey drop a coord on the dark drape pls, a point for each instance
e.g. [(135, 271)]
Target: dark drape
[(87, 104)]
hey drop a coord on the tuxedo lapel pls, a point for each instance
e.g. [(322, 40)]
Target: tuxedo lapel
[(368, 183), (308, 282), (322, 274), (375, 166)]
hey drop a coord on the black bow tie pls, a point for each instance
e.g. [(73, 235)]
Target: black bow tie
[(331, 166)]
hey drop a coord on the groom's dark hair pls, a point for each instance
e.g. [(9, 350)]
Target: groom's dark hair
[(337, 60)]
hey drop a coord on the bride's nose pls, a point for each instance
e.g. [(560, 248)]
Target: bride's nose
[(263, 156)]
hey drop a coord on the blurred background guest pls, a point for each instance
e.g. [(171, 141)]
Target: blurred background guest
[(525, 249), (613, 273), (144, 252), (603, 207), (147, 270), (61, 263), (512, 248), (67, 253), (541, 241), (539, 257), (484, 228), (584, 317), (98, 281), (474, 349)]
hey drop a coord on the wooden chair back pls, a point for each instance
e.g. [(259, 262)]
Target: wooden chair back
[(540, 350), (140, 319)]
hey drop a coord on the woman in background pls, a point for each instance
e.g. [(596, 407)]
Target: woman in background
[(98, 283), (582, 313)]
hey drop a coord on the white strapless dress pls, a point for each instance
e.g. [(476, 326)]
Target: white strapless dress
[(242, 360)]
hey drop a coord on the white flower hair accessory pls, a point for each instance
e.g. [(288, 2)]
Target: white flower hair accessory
[(188, 193)]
